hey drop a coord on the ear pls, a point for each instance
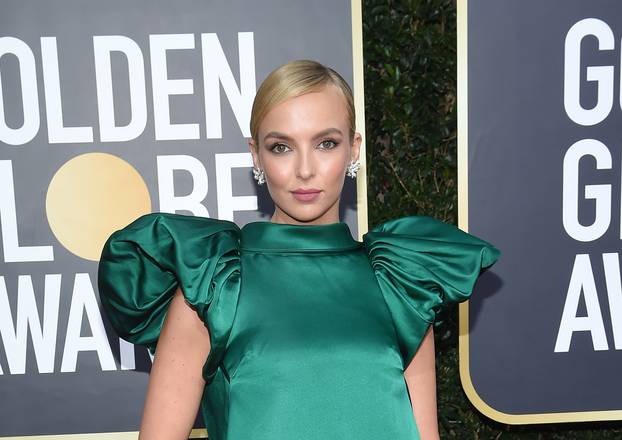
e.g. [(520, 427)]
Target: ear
[(355, 148), (252, 145)]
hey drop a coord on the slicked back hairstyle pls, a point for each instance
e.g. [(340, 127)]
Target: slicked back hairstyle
[(293, 79)]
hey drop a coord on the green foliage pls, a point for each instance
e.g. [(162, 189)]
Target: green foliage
[(410, 86), (410, 111)]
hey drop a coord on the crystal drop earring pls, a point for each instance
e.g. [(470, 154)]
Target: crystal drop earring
[(353, 168), (259, 176)]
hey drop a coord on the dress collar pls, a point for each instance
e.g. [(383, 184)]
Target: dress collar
[(268, 236)]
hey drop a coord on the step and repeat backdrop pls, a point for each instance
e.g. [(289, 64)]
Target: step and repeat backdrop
[(110, 110), (540, 176)]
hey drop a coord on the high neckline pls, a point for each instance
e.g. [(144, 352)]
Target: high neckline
[(268, 236)]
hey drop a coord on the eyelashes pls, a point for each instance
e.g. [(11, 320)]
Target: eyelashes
[(281, 148), (328, 144), (278, 148)]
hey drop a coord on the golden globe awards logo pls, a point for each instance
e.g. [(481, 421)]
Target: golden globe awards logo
[(94, 193), (582, 285)]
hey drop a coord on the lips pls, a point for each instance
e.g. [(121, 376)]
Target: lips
[(306, 191), (306, 194)]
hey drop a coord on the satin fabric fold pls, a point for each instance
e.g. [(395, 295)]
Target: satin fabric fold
[(142, 265), (424, 265), (310, 329)]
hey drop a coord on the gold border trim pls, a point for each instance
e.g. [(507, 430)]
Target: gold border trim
[(359, 104), (361, 206), (195, 433), (463, 223)]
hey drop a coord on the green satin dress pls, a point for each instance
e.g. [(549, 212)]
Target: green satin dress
[(310, 329)]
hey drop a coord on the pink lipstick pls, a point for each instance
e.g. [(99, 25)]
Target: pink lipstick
[(306, 194)]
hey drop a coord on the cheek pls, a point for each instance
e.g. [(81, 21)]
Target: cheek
[(277, 169), (333, 168)]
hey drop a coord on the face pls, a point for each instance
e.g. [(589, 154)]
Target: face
[(304, 148)]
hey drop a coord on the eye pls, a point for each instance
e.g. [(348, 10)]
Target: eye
[(328, 144), (279, 148)]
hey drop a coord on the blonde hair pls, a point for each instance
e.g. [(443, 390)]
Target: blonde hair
[(293, 79)]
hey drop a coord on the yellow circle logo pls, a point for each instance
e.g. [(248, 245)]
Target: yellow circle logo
[(90, 197)]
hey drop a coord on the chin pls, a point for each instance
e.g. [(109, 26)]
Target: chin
[(307, 214), (306, 217)]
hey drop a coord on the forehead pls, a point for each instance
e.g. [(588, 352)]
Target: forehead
[(308, 113)]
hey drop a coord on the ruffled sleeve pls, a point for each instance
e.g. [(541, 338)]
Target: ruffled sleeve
[(142, 265), (423, 265)]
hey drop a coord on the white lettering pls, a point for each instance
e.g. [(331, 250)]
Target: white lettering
[(216, 70), (164, 87), (83, 300), (127, 355), (109, 131), (27, 318), (611, 263), (581, 280), (601, 194), (602, 75), (227, 202), (57, 132), (30, 99), (13, 252), (192, 202)]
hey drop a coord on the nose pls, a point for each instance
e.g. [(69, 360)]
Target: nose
[(305, 166)]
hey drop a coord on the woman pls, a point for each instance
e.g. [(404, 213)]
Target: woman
[(290, 328)]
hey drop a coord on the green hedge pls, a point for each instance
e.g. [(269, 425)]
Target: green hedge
[(410, 109)]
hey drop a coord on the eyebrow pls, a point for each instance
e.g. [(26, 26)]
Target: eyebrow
[(279, 135)]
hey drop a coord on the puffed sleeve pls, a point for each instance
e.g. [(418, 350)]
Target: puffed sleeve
[(142, 265), (423, 265)]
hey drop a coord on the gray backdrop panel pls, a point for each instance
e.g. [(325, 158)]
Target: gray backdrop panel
[(90, 400), (518, 135)]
